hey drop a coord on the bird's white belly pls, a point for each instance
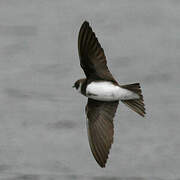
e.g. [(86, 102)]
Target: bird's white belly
[(107, 91)]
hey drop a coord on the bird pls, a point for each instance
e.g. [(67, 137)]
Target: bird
[(103, 93)]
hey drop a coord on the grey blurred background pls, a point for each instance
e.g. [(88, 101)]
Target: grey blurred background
[(42, 121)]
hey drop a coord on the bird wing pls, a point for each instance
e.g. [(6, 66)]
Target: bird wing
[(100, 128), (91, 54)]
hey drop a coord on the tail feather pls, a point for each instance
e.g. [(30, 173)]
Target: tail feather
[(136, 105)]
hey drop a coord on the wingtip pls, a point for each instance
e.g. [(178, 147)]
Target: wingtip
[(102, 165), (85, 23)]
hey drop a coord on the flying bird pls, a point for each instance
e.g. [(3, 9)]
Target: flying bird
[(103, 93)]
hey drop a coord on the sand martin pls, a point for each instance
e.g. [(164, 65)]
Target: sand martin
[(104, 94)]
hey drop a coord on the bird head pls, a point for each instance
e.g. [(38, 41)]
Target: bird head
[(78, 84)]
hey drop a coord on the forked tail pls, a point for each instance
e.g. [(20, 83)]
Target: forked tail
[(136, 105)]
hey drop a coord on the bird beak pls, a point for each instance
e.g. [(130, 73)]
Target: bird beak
[(73, 86)]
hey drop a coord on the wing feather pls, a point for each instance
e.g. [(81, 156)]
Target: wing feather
[(100, 128), (91, 54)]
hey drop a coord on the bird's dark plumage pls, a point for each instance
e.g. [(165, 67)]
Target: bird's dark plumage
[(91, 54), (100, 128)]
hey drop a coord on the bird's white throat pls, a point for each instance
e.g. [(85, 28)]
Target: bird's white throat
[(107, 91)]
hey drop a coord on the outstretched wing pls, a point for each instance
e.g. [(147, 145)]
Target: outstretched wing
[(91, 54), (100, 128)]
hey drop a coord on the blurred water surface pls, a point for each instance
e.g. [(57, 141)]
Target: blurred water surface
[(42, 119)]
